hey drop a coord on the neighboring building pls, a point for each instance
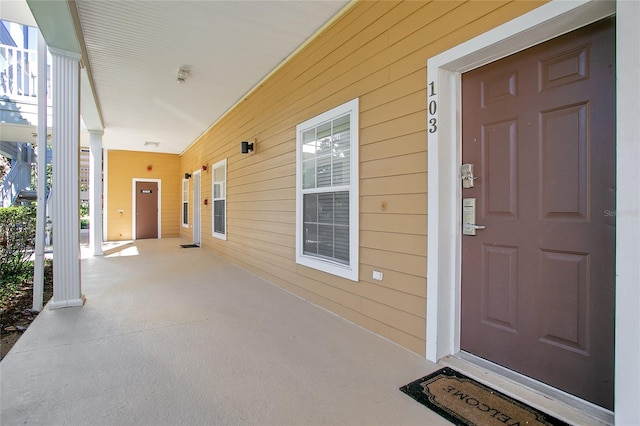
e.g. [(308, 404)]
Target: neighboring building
[(353, 196), (18, 110)]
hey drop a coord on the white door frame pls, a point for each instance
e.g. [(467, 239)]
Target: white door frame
[(197, 207), (444, 187), (105, 194), (134, 204)]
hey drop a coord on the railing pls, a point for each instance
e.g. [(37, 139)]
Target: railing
[(19, 73), (18, 178)]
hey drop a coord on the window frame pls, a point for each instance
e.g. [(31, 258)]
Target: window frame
[(350, 270), (185, 219), (219, 164)]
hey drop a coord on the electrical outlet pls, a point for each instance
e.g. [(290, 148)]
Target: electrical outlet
[(377, 275)]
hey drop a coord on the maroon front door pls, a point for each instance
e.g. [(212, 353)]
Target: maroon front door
[(146, 210), (538, 282)]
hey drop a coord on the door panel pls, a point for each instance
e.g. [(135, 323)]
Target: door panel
[(538, 283), (564, 288), (501, 157), (500, 286), (146, 210), (564, 151)]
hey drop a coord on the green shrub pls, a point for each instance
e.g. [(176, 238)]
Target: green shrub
[(17, 242), (84, 209)]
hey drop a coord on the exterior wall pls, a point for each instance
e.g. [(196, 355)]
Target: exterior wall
[(377, 52), (122, 168)]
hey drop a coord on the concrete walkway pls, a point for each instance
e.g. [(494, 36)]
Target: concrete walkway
[(173, 336)]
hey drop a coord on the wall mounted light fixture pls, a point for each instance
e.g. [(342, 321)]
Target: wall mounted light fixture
[(246, 147), (187, 175), (204, 167)]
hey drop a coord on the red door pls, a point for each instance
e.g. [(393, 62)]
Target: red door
[(146, 210), (538, 282)]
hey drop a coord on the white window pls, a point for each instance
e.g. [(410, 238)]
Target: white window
[(327, 191), (219, 196), (185, 203)]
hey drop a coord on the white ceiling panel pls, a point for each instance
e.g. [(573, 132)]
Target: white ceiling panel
[(136, 47)]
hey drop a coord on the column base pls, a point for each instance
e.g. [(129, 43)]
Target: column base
[(67, 303), (95, 252)]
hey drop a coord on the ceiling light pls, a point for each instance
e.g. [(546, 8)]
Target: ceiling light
[(183, 73), (149, 143)]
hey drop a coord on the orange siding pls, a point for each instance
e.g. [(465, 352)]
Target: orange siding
[(123, 167), (377, 51)]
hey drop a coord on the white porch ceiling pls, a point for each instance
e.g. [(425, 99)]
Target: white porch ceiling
[(135, 48)]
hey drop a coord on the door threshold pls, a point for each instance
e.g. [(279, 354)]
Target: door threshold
[(555, 402)]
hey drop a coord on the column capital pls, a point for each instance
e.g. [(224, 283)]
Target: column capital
[(97, 132), (65, 53)]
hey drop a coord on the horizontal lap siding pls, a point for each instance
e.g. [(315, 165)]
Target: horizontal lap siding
[(123, 167), (377, 52)]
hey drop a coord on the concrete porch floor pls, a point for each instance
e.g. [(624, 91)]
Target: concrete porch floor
[(173, 336)]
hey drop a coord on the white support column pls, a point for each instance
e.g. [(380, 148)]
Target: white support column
[(66, 187), (41, 216), (95, 192)]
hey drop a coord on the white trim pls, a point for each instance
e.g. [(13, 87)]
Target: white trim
[(627, 350), (346, 271), (196, 235), (133, 204), (444, 147), (221, 163), (105, 197)]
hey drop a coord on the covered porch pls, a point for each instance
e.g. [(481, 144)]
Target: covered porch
[(179, 336)]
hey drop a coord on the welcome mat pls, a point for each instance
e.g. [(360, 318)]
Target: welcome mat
[(189, 245), (465, 402)]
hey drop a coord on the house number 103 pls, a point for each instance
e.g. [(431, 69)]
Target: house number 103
[(433, 108)]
